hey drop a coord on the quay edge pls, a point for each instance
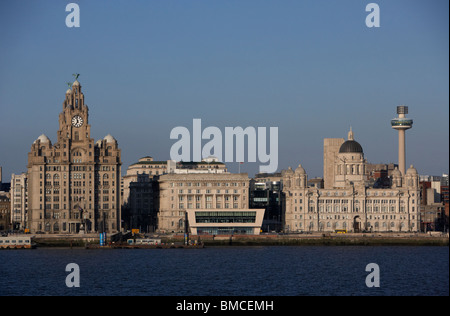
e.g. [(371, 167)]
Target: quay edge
[(328, 239)]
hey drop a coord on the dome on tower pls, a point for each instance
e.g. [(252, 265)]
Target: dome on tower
[(109, 139), (396, 173), (300, 170), (289, 171), (351, 145), (76, 83), (43, 139), (411, 170)]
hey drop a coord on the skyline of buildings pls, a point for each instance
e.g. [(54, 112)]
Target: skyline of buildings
[(75, 185)]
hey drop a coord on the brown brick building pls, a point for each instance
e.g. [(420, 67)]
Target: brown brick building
[(74, 184)]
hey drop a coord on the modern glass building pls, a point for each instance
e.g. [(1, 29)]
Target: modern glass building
[(225, 221)]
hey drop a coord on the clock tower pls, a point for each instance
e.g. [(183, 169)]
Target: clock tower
[(73, 120), (74, 185)]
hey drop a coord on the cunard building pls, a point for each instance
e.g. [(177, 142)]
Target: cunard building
[(74, 184)]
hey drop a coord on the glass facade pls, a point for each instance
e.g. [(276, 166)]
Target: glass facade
[(225, 217), (225, 231), (401, 122)]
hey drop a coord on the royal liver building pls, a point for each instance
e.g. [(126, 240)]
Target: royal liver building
[(348, 201), (74, 184)]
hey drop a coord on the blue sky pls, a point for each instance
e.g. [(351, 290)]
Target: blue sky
[(310, 68)]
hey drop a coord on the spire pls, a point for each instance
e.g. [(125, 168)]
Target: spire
[(76, 87), (350, 134)]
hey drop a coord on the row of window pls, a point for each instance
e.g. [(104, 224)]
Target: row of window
[(338, 217), (225, 217), (209, 205), (357, 202), (105, 206), (225, 231), (55, 176), (75, 183), (344, 225), (208, 184), (73, 215), (376, 193), (76, 168), (208, 198), (356, 209), (56, 191), (189, 191), (350, 169), (55, 227), (225, 214)]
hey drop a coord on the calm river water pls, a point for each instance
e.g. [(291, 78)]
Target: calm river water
[(227, 271)]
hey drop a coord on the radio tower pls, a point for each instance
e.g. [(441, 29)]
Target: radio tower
[(401, 123)]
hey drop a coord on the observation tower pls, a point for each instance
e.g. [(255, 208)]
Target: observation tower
[(401, 124)]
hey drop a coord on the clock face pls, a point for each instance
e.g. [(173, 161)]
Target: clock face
[(77, 121)]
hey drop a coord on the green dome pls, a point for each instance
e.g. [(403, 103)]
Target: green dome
[(351, 146)]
